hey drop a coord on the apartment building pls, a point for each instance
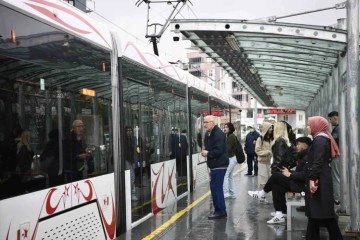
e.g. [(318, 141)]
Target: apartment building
[(252, 113)]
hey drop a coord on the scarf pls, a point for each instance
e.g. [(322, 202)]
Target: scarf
[(319, 125)]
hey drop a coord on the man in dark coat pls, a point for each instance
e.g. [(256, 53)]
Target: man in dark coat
[(249, 148), (75, 155), (130, 158), (181, 151), (217, 160), (334, 120)]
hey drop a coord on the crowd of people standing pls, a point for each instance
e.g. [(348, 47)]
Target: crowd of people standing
[(282, 163)]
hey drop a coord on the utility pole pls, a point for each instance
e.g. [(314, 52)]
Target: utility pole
[(156, 35)]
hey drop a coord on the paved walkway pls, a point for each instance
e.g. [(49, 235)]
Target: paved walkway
[(246, 218)]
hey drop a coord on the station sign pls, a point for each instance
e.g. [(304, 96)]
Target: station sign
[(217, 113), (280, 111)]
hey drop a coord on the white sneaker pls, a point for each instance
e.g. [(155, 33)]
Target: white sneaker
[(273, 214), (276, 220), (255, 194)]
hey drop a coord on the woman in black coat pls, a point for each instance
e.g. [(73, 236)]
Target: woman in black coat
[(319, 200), (284, 152)]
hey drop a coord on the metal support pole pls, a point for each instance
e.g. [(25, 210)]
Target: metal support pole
[(352, 111), (239, 133), (229, 113), (344, 160), (255, 114), (330, 84), (335, 88), (323, 102), (190, 139), (323, 111), (209, 101), (60, 126)]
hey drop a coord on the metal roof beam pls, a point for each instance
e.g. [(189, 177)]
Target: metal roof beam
[(292, 67), (292, 56)]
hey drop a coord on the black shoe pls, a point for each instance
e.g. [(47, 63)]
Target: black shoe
[(217, 216), (248, 174), (255, 174)]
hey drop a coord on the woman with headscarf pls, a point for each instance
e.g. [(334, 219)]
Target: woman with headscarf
[(319, 198), (228, 186)]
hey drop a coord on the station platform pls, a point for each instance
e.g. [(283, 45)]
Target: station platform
[(246, 220)]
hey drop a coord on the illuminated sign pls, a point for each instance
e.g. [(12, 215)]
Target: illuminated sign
[(280, 111), (87, 92), (214, 113), (42, 84)]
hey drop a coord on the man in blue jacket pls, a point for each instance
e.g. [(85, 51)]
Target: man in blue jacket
[(217, 160), (249, 148)]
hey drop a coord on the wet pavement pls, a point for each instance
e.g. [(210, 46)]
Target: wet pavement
[(187, 219)]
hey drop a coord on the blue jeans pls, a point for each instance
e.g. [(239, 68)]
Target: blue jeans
[(229, 179), (217, 192)]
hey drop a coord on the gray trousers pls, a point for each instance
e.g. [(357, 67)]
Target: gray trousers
[(335, 172)]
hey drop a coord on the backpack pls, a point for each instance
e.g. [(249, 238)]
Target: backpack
[(239, 153)]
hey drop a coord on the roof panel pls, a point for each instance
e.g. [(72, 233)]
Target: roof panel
[(265, 57)]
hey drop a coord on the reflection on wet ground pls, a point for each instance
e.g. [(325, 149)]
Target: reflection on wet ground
[(246, 218)]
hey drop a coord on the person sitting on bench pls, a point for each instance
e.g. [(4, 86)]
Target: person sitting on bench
[(285, 181)]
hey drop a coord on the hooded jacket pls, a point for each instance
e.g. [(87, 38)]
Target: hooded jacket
[(263, 147)]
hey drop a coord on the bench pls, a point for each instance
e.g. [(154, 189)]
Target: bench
[(293, 199)]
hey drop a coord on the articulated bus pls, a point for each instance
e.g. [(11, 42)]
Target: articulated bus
[(61, 71)]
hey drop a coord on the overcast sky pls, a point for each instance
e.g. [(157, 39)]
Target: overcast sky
[(132, 19)]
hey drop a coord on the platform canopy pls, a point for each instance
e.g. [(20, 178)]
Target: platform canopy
[(280, 64)]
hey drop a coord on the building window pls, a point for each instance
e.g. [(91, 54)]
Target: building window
[(286, 117), (250, 113), (301, 117), (222, 87), (211, 73), (195, 60), (237, 97), (259, 111)]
